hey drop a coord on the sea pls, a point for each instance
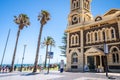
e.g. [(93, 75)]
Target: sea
[(19, 65)]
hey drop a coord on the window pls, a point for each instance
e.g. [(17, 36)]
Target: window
[(103, 36), (74, 58), (112, 33), (77, 4), (76, 39), (74, 5), (99, 35), (115, 55), (75, 19), (95, 36), (72, 40), (88, 37), (91, 37)]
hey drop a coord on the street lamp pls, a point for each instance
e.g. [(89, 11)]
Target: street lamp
[(23, 58), (5, 49), (106, 52)]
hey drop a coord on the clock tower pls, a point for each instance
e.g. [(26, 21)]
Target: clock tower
[(79, 12)]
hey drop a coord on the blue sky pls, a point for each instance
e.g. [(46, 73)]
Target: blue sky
[(59, 10)]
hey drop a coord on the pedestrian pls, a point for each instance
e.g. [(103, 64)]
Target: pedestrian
[(61, 66)]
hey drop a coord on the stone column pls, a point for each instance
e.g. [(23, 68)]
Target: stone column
[(95, 60), (86, 60), (101, 67), (100, 61), (82, 48), (67, 53)]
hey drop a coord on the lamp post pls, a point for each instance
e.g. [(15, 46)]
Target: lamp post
[(5, 49), (105, 52), (23, 58)]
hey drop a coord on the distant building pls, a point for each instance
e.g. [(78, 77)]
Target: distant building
[(86, 37)]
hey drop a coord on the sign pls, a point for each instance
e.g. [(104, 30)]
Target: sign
[(105, 48), (50, 55)]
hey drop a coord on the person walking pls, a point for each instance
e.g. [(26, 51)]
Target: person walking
[(61, 66)]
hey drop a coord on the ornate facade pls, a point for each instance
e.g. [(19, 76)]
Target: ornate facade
[(90, 39)]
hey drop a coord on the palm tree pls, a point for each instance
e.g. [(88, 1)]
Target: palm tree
[(52, 43), (48, 42), (43, 17), (22, 20)]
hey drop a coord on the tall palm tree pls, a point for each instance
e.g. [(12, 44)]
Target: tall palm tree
[(22, 20), (47, 42), (43, 17)]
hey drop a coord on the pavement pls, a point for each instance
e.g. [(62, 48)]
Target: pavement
[(56, 75)]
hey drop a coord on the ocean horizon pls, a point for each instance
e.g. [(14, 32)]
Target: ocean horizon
[(19, 65), (25, 65)]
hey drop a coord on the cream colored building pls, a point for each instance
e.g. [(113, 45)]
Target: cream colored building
[(88, 38)]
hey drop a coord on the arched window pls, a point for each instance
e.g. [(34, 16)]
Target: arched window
[(95, 36), (99, 35), (88, 37), (74, 4), (77, 4), (107, 34), (113, 58), (115, 55), (74, 58), (103, 33), (72, 40), (91, 37), (112, 33)]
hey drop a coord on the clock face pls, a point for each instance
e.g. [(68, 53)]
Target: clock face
[(74, 19)]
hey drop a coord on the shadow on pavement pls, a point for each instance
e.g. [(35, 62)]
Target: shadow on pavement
[(29, 74), (6, 75)]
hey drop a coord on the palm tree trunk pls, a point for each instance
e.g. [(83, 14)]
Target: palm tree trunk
[(49, 60), (13, 59), (46, 56), (37, 51)]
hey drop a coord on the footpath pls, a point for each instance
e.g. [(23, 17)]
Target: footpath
[(56, 75)]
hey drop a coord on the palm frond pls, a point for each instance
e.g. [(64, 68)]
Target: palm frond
[(22, 20), (43, 17)]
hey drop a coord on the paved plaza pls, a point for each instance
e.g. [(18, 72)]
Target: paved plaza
[(56, 75)]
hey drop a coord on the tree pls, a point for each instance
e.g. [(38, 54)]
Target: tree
[(43, 17), (49, 41), (52, 43), (22, 20), (63, 48)]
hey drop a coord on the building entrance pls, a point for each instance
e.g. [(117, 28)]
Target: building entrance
[(95, 62), (91, 63)]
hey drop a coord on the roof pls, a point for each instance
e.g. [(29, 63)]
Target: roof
[(112, 11)]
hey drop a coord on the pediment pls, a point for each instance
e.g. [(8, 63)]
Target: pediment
[(112, 11), (94, 51)]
